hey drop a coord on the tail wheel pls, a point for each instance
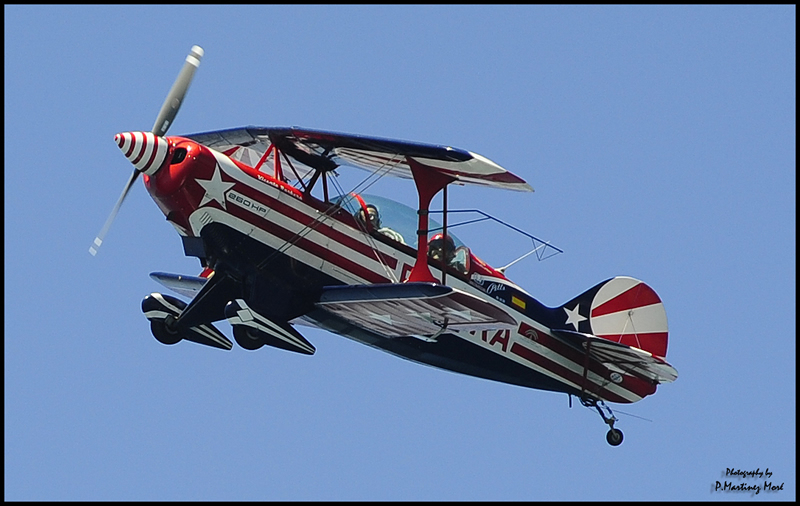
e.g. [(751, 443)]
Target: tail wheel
[(614, 437), (164, 332), (248, 337)]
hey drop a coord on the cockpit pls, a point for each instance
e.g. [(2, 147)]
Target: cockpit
[(398, 222)]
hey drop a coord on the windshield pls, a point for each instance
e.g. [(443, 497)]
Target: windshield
[(395, 216)]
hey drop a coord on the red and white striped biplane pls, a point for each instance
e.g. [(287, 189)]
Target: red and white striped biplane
[(276, 257)]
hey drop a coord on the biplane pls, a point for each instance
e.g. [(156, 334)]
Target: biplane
[(276, 257)]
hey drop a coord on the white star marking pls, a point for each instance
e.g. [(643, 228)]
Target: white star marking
[(574, 317), (215, 189), (385, 318), (424, 316), (466, 314)]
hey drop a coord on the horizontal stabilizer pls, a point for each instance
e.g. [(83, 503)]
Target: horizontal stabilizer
[(188, 286), (412, 309), (620, 357), (280, 335)]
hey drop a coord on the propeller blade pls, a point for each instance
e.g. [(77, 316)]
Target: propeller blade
[(165, 117), (177, 92), (99, 239)]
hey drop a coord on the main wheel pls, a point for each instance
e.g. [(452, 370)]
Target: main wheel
[(163, 333), (248, 337), (614, 437)]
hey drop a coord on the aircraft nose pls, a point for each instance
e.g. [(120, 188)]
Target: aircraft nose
[(145, 151)]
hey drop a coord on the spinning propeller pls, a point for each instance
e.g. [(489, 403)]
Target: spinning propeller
[(148, 150)]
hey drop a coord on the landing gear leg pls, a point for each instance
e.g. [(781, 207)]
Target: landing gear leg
[(614, 436)]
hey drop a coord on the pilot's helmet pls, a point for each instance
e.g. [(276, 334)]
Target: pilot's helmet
[(436, 244), (373, 216)]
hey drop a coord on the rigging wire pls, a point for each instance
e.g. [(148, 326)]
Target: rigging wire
[(371, 240), (377, 174)]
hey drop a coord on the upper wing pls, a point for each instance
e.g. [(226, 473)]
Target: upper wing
[(412, 309), (620, 357), (327, 150)]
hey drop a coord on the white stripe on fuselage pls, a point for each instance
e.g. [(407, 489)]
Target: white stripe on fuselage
[(314, 232)]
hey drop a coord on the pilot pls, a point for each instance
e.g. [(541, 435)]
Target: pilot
[(374, 219), (456, 258), (441, 242)]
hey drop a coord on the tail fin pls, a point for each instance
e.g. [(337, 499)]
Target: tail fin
[(620, 309)]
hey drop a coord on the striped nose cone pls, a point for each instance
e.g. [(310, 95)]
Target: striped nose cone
[(144, 150)]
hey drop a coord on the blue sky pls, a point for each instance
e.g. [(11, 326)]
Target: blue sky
[(661, 145)]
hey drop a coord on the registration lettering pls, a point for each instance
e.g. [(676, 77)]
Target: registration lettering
[(496, 336)]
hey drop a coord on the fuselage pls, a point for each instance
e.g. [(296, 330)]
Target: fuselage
[(284, 245)]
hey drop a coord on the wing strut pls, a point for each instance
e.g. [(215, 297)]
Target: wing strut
[(585, 368), (444, 234), (428, 182)]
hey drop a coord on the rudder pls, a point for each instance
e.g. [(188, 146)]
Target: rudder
[(621, 309)]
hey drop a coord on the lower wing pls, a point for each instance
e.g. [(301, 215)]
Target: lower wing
[(412, 309)]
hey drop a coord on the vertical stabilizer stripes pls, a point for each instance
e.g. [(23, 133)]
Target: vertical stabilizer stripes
[(627, 311)]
